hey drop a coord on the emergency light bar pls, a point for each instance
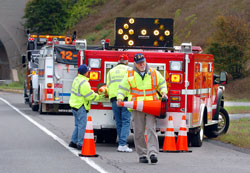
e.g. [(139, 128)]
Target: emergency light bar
[(48, 36), (148, 32)]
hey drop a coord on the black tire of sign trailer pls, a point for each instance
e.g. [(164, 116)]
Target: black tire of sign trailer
[(110, 136), (196, 139), (221, 128), (99, 136)]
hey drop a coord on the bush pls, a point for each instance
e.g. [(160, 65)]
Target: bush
[(230, 45)]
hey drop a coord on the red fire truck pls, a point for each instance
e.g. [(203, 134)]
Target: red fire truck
[(193, 88)]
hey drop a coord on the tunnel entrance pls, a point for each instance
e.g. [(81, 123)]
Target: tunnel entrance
[(5, 73)]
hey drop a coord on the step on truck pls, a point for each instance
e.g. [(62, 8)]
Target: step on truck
[(193, 88)]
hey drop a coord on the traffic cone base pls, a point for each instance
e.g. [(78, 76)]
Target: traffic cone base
[(91, 153), (88, 147)]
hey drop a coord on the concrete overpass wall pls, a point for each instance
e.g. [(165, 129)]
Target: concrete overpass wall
[(12, 37)]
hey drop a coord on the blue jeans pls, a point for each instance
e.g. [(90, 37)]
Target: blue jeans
[(80, 125), (122, 119)]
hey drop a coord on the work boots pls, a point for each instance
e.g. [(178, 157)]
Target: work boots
[(153, 158), (143, 159)]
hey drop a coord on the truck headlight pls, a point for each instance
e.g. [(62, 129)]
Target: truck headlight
[(175, 65), (94, 63)]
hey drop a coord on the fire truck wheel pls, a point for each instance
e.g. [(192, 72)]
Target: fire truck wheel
[(221, 127), (223, 121), (196, 139), (35, 107)]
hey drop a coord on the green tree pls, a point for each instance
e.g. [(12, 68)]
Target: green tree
[(46, 16), (230, 45)]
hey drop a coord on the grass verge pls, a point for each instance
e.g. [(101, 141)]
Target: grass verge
[(237, 109), (13, 85), (238, 133)]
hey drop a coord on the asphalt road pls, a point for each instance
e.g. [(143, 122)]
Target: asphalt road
[(31, 142)]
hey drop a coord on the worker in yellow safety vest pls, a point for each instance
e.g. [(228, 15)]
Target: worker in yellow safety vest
[(80, 101), (121, 114), (142, 83)]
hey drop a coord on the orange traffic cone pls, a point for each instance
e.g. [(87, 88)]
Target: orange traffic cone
[(182, 142), (156, 107), (169, 141), (88, 147)]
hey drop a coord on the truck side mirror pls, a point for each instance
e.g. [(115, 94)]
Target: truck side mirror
[(223, 77)]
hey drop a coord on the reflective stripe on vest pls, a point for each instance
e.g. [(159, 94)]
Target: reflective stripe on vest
[(120, 87), (112, 81), (162, 83), (89, 94), (79, 87), (135, 92), (141, 92)]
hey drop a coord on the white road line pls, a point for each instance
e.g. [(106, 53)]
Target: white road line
[(62, 142)]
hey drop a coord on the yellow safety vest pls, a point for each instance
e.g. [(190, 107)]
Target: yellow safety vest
[(81, 93), (142, 89), (114, 77)]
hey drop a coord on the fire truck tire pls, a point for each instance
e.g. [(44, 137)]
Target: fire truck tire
[(196, 139), (35, 107), (221, 127), (223, 121)]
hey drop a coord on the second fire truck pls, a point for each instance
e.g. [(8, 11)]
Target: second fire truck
[(52, 66)]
